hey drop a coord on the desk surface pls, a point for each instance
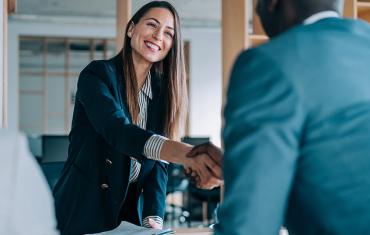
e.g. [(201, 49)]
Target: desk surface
[(193, 231)]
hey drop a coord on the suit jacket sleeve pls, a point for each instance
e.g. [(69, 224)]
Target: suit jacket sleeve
[(94, 91), (263, 119), (155, 191)]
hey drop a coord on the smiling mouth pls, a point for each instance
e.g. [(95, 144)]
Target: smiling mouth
[(152, 46)]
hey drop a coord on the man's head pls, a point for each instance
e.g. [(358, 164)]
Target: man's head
[(279, 15)]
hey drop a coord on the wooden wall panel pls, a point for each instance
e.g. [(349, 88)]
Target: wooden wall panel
[(234, 36), (12, 6), (363, 10), (350, 9), (124, 8)]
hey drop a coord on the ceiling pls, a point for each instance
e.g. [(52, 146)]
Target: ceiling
[(192, 12)]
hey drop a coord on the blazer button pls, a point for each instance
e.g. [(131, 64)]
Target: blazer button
[(109, 162), (104, 186)]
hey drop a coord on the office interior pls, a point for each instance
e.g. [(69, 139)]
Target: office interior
[(46, 43)]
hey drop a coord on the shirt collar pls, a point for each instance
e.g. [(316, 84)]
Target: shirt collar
[(147, 88), (319, 16)]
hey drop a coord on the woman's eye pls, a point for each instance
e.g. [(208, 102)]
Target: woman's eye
[(169, 34), (152, 24)]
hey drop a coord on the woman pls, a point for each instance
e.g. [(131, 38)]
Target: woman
[(125, 108)]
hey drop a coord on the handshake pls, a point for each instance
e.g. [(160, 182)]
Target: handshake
[(203, 165)]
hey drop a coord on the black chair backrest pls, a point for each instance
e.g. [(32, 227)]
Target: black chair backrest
[(54, 148), (54, 155), (195, 140), (52, 171)]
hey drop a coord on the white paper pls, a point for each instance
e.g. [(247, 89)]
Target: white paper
[(127, 228)]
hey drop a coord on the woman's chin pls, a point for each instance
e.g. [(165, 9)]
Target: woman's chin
[(152, 59)]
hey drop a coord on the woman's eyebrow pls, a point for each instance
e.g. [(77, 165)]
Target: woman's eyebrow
[(169, 27)]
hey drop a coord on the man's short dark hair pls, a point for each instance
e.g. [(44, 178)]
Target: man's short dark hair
[(309, 7)]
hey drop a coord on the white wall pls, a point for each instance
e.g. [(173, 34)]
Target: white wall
[(205, 82), (205, 65)]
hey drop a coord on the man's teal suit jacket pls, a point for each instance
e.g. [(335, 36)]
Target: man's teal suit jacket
[(297, 134)]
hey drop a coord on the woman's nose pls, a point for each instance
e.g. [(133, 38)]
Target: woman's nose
[(158, 35)]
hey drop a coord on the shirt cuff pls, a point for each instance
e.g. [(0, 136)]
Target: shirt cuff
[(158, 220), (153, 146)]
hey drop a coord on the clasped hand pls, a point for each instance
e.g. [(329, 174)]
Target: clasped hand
[(204, 166)]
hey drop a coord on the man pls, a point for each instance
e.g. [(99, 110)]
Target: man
[(26, 203), (297, 129)]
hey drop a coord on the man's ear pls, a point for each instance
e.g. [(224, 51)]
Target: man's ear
[(273, 5), (130, 29)]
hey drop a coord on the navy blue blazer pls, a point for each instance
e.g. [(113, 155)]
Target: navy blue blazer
[(92, 193)]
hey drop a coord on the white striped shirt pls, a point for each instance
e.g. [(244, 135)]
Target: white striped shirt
[(153, 145)]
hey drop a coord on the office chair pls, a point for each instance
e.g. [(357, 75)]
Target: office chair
[(54, 155), (177, 182)]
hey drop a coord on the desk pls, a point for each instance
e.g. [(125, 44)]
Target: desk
[(193, 231), (206, 231), (128, 228)]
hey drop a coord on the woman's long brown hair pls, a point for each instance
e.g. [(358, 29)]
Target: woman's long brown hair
[(171, 70)]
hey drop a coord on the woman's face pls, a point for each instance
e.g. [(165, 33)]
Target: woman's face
[(152, 37)]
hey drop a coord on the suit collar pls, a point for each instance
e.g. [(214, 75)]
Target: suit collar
[(320, 16)]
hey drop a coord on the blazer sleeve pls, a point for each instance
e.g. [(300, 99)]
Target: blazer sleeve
[(106, 114), (154, 191), (263, 120)]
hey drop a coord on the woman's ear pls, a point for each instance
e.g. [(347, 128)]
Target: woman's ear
[(130, 29)]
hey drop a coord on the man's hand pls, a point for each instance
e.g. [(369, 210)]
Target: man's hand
[(202, 175), (204, 160), (210, 175), (213, 152)]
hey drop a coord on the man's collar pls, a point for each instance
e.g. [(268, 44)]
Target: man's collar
[(147, 87), (319, 16)]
